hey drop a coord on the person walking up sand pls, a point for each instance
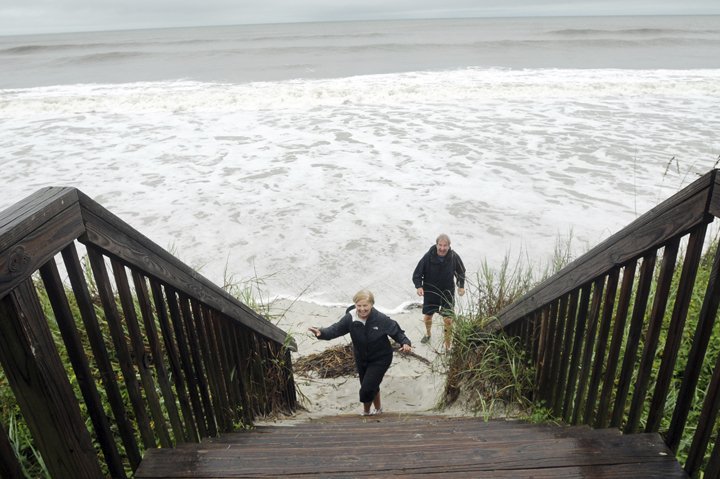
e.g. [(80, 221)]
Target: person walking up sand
[(434, 278), (369, 330)]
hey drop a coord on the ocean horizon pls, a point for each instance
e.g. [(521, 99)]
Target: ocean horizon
[(319, 159)]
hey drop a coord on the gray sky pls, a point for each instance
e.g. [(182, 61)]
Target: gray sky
[(46, 16)]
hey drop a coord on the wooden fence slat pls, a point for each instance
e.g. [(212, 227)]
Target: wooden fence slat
[(100, 353), (633, 338), (598, 288), (557, 348), (576, 351), (615, 344), (652, 336), (197, 364), (548, 347), (705, 424), (601, 345), (157, 354), (138, 348), (36, 374), (209, 359), (112, 317), (703, 331), (712, 470), (675, 330), (559, 392), (190, 430), (81, 366), (223, 379), (10, 467), (185, 360)]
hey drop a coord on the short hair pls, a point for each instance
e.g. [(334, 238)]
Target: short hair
[(364, 294), (443, 236)]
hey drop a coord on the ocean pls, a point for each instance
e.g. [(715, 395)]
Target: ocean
[(316, 159)]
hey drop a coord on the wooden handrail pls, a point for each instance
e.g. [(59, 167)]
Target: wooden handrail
[(674, 217), (186, 357), (599, 361)]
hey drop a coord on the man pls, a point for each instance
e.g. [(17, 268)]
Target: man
[(434, 278)]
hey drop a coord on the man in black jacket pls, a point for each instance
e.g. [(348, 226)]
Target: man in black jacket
[(434, 278)]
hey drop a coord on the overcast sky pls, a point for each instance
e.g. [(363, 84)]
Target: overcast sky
[(46, 16)]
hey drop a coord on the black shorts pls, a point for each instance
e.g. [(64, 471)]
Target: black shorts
[(436, 303)]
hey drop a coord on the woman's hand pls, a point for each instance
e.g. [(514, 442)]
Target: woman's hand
[(461, 291), (420, 292), (315, 331), (405, 348)]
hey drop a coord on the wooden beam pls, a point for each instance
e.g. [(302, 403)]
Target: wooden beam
[(117, 239), (35, 372), (673, 217)]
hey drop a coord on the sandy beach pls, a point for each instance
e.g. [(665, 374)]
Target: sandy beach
[(411, 385)]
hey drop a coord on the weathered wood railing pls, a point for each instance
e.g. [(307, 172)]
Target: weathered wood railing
[(604, 359), (155, 348)]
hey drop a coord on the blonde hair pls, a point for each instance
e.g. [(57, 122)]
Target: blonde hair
[(441, 237), (364, 294)]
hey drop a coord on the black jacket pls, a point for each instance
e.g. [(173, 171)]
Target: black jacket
[(370, 341), (437, 276)]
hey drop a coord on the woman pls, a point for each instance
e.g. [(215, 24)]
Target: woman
[(369, 330)]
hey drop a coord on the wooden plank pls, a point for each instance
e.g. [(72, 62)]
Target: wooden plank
[(402, 445), (714, 206), (700, 341), (671, 218), (197, 364), (114, 322), (615, 344), (633, 339), (584, 374), (117, 238), (652, 336), (575, 354), (216, 355), (190, 430), (36, 374), (559, 391), (81, 366), (100, 353), (27, 215), (20, 259), (601, 344), (185, 360), (9, 465), (142, 365), (674, 337), (557, 348), (705, 423), (151, 333)]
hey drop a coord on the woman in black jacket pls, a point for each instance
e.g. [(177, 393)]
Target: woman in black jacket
[(434, 278), (369, 330)]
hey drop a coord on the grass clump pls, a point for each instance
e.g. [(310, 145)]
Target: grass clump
[(487, 371)]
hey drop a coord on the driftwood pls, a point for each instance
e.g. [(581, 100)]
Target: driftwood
[(336, 361)]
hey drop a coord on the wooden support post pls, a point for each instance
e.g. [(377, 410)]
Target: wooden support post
[(35, 372)]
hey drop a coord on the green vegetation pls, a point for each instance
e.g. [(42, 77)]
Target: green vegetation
[(489, 373), (266, 377)]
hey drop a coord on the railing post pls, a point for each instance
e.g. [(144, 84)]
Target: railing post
[(9, 463), (36, 374)]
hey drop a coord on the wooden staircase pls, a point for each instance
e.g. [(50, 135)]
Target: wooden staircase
[(417, 446)]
